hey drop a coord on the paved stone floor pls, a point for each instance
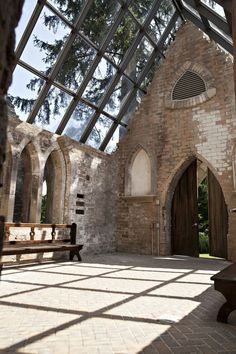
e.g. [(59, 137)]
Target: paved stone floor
[(114, 304)]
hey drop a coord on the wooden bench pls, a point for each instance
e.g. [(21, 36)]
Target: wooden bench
[(225, 282), (33, 245)]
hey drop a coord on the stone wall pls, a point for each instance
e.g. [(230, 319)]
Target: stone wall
[(173, 133), (94, 189), (83, 186), (7, 61)]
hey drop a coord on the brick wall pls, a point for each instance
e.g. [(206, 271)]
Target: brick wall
[(84, 185), (173, 133)]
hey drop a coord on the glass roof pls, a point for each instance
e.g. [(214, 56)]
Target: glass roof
[(83, 65)]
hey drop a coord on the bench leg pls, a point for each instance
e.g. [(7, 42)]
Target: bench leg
[(224, 312), (75, 253)]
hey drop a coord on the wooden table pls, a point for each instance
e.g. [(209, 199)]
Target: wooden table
[(225, 282)]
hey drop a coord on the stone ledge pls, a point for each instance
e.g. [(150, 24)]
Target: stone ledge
[(140, 198), (190, 102)]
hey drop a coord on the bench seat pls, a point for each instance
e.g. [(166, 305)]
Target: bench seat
[(13, 250), (32, 245), (225, 282)]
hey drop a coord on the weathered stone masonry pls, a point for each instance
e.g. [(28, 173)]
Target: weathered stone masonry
[(173, 133), (79, 171), (169, 133)]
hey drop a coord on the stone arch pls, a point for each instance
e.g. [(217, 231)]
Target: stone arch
[(170, 189), (54, 175), (139, 173), (26, 184), (234, 165), (5, 180)]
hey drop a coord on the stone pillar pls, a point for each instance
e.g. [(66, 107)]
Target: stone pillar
[(10, 12), (234, 40), (232, 216), (9, 210)]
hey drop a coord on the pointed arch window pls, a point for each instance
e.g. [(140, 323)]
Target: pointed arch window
[(52, 190), (189, 85), (23, 191), (140, 174)]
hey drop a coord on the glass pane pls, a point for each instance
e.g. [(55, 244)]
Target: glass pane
[(140, 9), (70, 9), (99, 20), (171, 37), (78, 121), (46, 42), (99, 131), (148, 79), (118, 96), (112, 145), (223, 34), (132, 107), (213, 5), (191, 9), (76, 64), (139, 59), (53, 109), (160, 20), (100, 81), (24, 90), (122, 40), (27, 11)]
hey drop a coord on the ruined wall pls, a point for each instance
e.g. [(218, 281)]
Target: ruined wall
[(7, 61), (83, 183), (175, 132)]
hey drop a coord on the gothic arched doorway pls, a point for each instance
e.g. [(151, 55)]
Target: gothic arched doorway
[(184, 215)]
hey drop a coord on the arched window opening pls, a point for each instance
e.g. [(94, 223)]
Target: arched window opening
[(189, 85), (48, 191), (23, 189), (141, 174), (44, 203)]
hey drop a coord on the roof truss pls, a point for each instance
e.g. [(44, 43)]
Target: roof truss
[(216, 26)]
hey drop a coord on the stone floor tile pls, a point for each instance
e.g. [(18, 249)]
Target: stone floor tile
[(145, 305)]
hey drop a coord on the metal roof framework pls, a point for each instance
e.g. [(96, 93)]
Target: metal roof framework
[(202, 13)]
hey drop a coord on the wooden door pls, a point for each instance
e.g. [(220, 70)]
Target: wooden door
[(184, 230), (218, 218)]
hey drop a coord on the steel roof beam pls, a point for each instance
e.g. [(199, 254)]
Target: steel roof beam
[(195, 5), (144, 73), (62, 88), (29, 28), (226, 4), (126, 60), (206, 12), (211, 33), (228, 16), (61, 57), (178, 8), (92, 69)]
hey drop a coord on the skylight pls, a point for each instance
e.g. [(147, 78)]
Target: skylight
[(82, 65)]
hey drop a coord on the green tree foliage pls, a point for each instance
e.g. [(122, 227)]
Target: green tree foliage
[(95, 27), (43, 209), (203, 243), (203, 224)]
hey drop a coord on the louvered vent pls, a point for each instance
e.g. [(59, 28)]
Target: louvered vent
[(189, 85)]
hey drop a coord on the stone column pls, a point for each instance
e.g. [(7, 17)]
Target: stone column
[(10, 12), (234, 40)]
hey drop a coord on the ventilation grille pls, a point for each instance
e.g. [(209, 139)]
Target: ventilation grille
[(189, 85)]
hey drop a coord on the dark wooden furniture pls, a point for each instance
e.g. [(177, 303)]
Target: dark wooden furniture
[(33, 245), (225, 282)]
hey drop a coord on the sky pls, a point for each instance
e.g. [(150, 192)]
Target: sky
[(33, 56)]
